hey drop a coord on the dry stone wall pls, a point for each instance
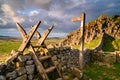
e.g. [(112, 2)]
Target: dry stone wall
[(65, 58), (24, 68)]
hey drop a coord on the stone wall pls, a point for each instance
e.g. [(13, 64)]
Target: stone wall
[(21, 68)]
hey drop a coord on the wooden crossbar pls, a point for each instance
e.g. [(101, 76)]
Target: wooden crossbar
[(26, 37)]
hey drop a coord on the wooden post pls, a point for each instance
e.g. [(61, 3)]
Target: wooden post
[(82, 19), (117, 57), (27, 37)]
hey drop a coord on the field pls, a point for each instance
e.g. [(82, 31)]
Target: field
[(95, 71), (6, 46)]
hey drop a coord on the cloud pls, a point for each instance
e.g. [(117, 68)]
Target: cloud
[(9, 13), (3, 22), (44, 4), (57, 12), (33, 13)]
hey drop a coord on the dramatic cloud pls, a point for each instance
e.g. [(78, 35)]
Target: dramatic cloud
[(11, 14), (51, 12), (33, 13)]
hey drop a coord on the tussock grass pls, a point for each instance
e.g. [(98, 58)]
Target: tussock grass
[(103, 72)]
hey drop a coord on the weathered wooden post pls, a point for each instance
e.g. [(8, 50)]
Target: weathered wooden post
[(82, 19)]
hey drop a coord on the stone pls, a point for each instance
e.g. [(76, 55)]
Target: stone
[(77, 72), (22, 58), (28, 57), (54, 58), (30, 77), (65, 77), (29, 62), (30, 69), (23, 77), (59, 79), (2, 68), (2, 77), (21, 71), (75, 78), (11, 75), (20, 64), (56, 63)]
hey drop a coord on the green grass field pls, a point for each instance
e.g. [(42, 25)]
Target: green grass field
[(103, 72)]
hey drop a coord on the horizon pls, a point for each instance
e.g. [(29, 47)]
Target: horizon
[(51, 12)]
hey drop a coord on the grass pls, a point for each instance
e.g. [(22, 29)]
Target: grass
[(91, 45), (6, 46), (102, 72), (110, 44)]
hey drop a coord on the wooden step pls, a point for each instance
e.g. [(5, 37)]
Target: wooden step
[(36, 46), (59, 79), (50, 69), (44, 58)]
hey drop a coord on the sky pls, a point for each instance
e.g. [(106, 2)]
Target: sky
[(51, 12)]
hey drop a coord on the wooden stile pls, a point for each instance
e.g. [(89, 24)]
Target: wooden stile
[(33, 49), (27, 38)]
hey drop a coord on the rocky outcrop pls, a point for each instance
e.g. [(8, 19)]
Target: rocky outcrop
[(95, 29)]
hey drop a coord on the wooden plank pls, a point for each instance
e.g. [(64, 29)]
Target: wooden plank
[(44, 58), (76, 19), (21, 30), (29, 36), (41, 40), (50, 69), (38, 64), (38, 35)]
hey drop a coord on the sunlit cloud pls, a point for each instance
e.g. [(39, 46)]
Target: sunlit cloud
[(52, 12)]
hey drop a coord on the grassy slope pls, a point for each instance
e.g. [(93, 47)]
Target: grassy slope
[(109, 46), (103, 72), (7, 45)]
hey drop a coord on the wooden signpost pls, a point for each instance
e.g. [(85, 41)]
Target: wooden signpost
[(82, 27)]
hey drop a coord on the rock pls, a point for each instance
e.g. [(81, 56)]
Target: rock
[(56, 63), (11, 75), (2, 68), (75, 78), (21, 71), (50, 46), (10, 67), (65, 77), (30, 69), (2, 77), (59, 79), (22, 58), (28, 57), (29, 62), (77, 72), (20, 64), (54, 58), (30, 77), (24, 77)]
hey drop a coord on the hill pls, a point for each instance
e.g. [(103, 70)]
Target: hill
[(93, 33)]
